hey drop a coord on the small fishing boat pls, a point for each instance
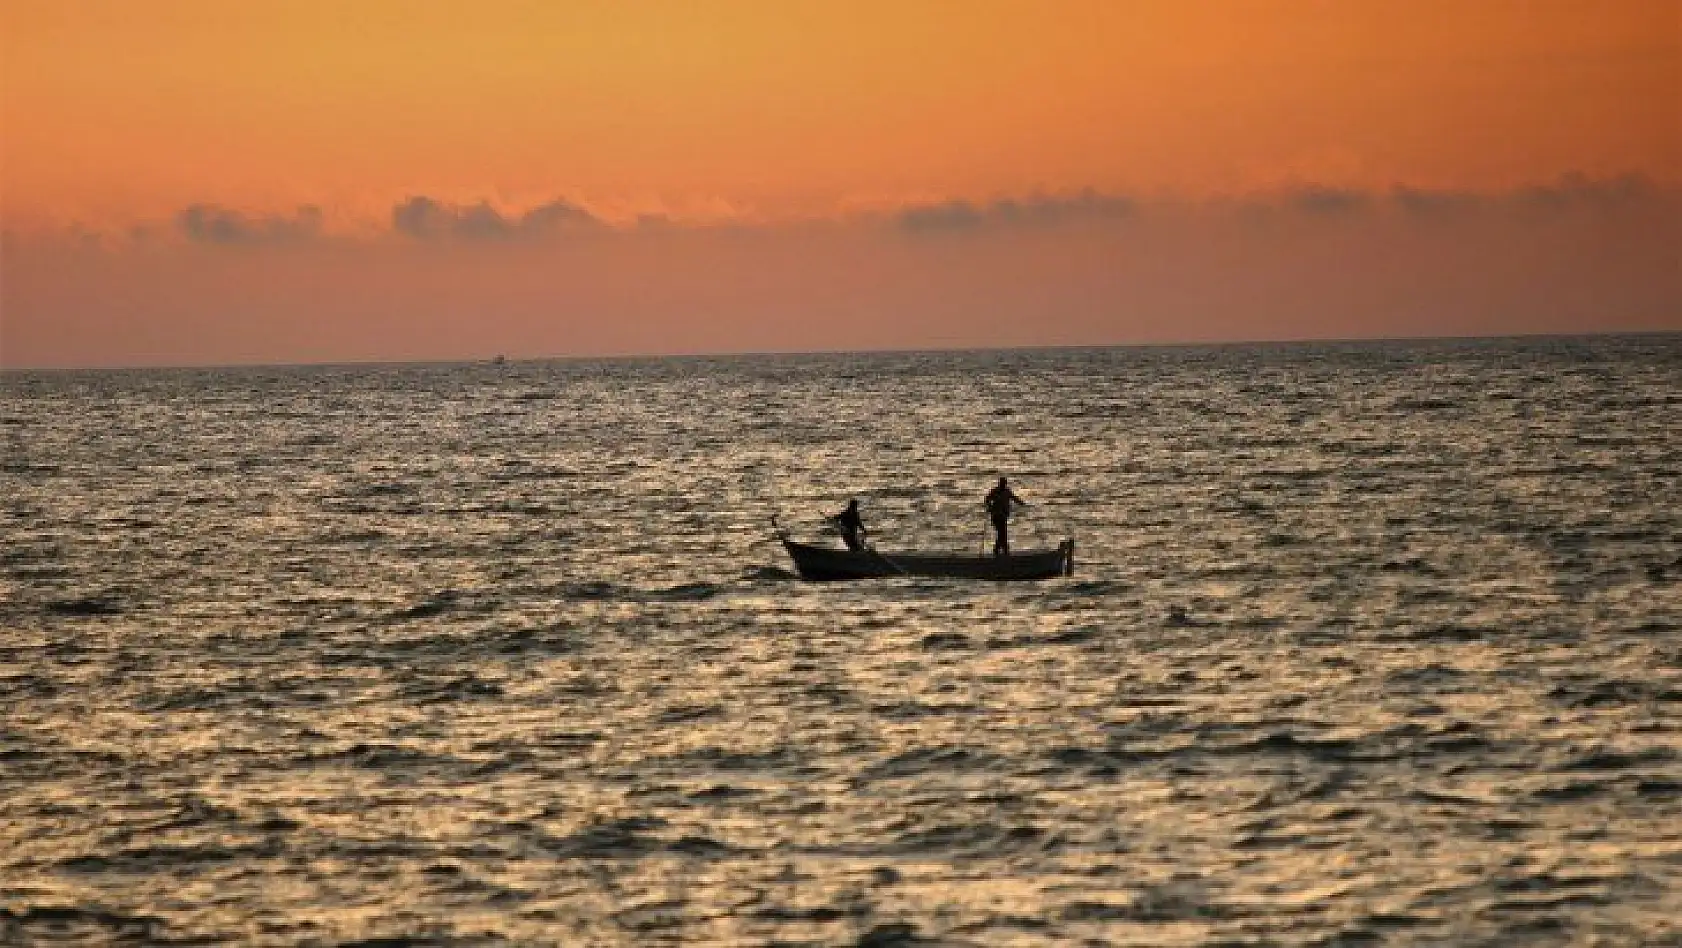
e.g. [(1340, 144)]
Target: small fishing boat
[(821, 563)]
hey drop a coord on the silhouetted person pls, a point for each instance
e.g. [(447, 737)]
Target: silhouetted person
[(999, 502), (852, 525)]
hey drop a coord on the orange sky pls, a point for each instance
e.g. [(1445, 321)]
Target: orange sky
[(119, 117)]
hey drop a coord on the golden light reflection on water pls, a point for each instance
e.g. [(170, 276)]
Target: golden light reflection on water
[(492, 682)]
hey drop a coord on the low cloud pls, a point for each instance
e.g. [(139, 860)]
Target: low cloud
[(214, 224), (424, 218), (1570, 193), (1576, 189), (1322, 200), (1433, 201), (1040, 210), (1572, 254)]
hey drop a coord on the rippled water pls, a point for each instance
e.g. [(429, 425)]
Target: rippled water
[(477, 654)]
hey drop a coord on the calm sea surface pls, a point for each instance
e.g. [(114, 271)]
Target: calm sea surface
[(508, 654)]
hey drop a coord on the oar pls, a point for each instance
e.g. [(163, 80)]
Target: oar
[(891, 564)]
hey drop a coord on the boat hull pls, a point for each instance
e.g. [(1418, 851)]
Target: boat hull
[(824, 564)]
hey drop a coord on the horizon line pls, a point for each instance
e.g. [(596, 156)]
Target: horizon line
[(6, 370)]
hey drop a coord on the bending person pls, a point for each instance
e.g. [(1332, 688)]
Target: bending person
[(851, 526)]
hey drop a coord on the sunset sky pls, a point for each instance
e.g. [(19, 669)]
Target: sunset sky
[(214, 182)]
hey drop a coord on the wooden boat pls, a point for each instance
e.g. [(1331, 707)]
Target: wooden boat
[(828, 563)]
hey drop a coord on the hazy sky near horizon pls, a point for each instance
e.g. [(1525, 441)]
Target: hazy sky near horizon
[(192, 182)]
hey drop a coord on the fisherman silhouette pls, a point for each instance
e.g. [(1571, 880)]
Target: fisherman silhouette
[(851, 525), (999, 502)]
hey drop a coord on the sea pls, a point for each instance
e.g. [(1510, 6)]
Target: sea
[(1371, 643)]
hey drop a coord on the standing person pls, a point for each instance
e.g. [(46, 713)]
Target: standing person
[(999, 502), (852, 526)]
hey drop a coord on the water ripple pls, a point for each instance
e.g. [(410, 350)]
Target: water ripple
[(1366, 644)]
